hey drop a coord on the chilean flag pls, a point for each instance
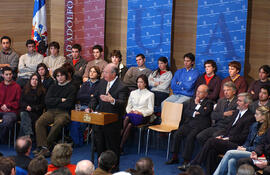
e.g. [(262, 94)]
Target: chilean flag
[(39, 26)]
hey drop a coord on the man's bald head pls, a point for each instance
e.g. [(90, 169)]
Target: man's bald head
[(110, 72), (23, 145), (84, 167), (202, 91)]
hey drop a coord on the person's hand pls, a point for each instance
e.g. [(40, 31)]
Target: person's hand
[(252, 92), (261, 164), (107, 98), (219, 137), (5, 108), (225, 138), (85, 79), (137, 112), (197, 100), (241, 148), (197, 113), (63, 99), (254, 155), (28, 108), (228, 113), (156, 83)]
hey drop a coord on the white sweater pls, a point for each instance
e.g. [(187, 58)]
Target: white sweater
[(53, 62), (142, 101), (165, 80)]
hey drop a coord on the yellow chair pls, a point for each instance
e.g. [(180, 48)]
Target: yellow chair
[(171, 116)]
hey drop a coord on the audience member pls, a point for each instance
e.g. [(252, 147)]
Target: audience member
[(28, 63), (84, 167), (159, 82), (139, 108), (98, 61), (234, 76), (54, 60), (59, 100), (106, 162), (116, 59), (23, 149), (255, 86), (78, 63), (61, 156), (236, 134), (111, 96), (256, 135), (38, 166), (263, 100), (10, 93), (210, 78), (45, 76), (245, 170), (62, 171), (8, 57), (31, 104), (196, 117), (144, 166), (133, 72), (222, 114), (183, 82), (7, 166), (84, 96), (195, 170)]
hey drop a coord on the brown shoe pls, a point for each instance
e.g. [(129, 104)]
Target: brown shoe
[(172, 161), (44, 152)]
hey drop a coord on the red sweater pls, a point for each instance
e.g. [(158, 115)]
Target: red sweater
[(10, 96)]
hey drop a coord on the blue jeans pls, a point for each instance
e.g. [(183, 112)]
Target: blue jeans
[(176, 98), (228, 162), (26, 124)]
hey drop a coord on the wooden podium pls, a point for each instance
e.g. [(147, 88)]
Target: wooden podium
[(96, 118)]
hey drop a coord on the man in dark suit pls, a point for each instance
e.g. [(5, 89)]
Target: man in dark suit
[(196, 118), (222, 114), (111, 96), (236, 134)]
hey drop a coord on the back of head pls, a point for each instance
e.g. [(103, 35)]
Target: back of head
[(6, 165), (107, 160), (144, 166), (38, 166), (23, 144), (84, 167), (245, 169), (61, 154), (195, 170), (61, 171)]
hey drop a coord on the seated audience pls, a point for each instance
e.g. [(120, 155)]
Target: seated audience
[(116, 59), (38, 166), (23, 149), (106, 162), (8, 57), (139, 108), (61, 156), (196, 117), (84, 96), (84, 167), (245, 170), (255, 86), (7, 166), (159, 82), (133, 72), (28, 63), (54, 60), (183, 81), (236, 134), (144, 166), (10, 94), (78, 63), (234, 76), (44, 74), (31, 105), (98, 61), (195, 170), (263, 100), (210, 78), (59, 100), (256, 134), (222, 114)]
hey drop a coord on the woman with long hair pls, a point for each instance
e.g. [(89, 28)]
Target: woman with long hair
[(44, 74), (31, 104), (256, 134)]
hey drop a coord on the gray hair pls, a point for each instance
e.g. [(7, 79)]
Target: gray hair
[(231, 85), (84, 167), (248, 98), (245, 169)]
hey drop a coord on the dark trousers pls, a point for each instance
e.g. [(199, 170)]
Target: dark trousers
[(207, 133), (185, 131), (266, 170), (210, 151), (59, 119), (9, 118), (159, 98)]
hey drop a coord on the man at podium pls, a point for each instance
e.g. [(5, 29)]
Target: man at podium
[(111, 96)]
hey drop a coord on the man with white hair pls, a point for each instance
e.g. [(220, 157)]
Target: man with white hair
[(84, 167)]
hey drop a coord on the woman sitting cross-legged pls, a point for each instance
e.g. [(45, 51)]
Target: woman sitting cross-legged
[(257, 131), (139, 108), (32, 104)]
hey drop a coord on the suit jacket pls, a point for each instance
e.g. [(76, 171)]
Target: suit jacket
[(118, 91), (217, 114), (238, 133), (201, 120)]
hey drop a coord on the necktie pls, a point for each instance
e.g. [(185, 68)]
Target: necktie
[(237, 118), (226, 105), (108, 87)]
